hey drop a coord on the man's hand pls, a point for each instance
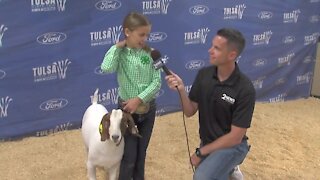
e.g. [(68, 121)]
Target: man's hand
[(174, 81), (195, 160)]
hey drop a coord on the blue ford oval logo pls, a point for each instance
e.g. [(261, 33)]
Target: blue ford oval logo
[(194, 64), (160, 93), (51, 38), (260, 62), (53, 104), (265, 15), (98, 71), (288, 39), (199, 10), (157, 37), (108, 5), (2, 74)]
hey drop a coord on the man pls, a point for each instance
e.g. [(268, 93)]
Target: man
[(225, 99)]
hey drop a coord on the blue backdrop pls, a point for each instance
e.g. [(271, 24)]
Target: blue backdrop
[(51, 50)]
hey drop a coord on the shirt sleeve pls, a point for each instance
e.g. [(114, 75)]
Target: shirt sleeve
[(242, 115), (111, 60), (150, 92)]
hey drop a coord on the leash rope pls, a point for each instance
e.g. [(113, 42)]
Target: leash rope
[(185, 130)]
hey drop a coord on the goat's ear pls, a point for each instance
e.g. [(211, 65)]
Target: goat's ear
[(131, 125), (104, 127)]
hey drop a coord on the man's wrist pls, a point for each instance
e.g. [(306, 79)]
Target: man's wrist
[(199, 154)]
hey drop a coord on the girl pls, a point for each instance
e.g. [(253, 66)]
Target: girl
[(138, 84)]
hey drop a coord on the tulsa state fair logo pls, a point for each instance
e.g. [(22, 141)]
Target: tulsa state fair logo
[(4, 104), (196, 37), (109, 97), (291, 17), (47, 5), (155, 6), (263, 38), (2, 30), (235, 12), (56, 70), (104, 37)]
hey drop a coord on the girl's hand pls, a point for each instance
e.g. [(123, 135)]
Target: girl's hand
[(121, 44), (131, 105)]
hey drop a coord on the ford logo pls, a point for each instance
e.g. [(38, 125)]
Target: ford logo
[(265, 15), (98, 71), (53, 104), (314, 19), (307, 59), (194, 64), (2, 74), (157, 37), (160, 93), (260, 62), (108, 5), (288, 39), (51, 38), (198, 10)]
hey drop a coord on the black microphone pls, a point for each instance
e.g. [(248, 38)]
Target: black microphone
[(158, 63)]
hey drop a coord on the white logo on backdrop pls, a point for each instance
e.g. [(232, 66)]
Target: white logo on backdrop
[(4, 104), (157, 37), (279, 98), (199, 10), (194, 64), (51, 38), (286, 60), (53, 104), (264, 15), (291, 17), (235, 12), (311, 39), (197, 37), (304, 79), (108, 5), (288, 39), (109, 97), (155, 6), (50, 72), (264, 38), (109, 36), (48, 5), (258, 83), (2, 74), (2, 30)]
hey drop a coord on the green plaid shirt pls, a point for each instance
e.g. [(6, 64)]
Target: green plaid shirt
[(135, 72)]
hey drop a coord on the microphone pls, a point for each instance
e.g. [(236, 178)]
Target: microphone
[(158, 63)]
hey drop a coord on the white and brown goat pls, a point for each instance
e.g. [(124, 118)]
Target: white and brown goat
[(103, 137)]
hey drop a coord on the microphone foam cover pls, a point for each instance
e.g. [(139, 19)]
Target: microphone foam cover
[(155, 54)]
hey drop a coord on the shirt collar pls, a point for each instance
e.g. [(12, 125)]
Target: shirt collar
[(232, 79)]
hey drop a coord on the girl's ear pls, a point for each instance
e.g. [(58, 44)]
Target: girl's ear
[(127, 32)]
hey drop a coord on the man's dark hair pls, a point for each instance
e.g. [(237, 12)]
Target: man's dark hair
[(234, 37)]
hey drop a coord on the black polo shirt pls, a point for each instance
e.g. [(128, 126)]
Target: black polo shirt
[(221, 104)]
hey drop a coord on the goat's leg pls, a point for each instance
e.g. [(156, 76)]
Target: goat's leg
[(114, 172), (91, 171)]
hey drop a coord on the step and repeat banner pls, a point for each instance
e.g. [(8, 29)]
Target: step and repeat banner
[(51, 51)]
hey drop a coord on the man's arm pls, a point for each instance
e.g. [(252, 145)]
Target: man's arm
[(175, 82)]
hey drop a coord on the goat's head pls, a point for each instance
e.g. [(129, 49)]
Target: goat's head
[(115, 124)]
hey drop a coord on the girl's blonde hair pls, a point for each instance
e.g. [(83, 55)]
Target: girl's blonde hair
[(134, 20)]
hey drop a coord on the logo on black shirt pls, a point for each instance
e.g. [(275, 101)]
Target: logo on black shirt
[(228, 99)]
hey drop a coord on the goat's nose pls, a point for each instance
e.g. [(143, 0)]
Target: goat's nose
[(115, 137)]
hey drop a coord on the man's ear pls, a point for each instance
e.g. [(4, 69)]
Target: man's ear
[(104, 127), (233, 54)]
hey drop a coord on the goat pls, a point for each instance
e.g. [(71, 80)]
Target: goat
[(102, 134)]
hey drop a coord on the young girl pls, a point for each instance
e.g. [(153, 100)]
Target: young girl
[(138, 84)]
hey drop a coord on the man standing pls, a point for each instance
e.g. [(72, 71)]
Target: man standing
[(225, 98)]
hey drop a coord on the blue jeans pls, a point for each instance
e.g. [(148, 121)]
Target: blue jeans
[(133, 161), (219, 164)]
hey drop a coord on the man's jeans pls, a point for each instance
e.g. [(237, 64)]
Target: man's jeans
[(133, 161), (219, 164)]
